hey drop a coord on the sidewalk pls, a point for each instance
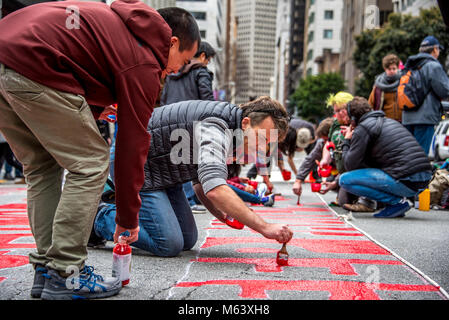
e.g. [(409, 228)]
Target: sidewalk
[(329, 258)]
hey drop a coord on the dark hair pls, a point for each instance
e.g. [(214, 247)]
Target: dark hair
[(357, 108), (288, 145), (183, 26), (234, 170), (324, 127), (264, 107), (389, 60), (207, 49)]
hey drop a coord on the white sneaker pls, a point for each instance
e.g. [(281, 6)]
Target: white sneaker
[(261, 190)]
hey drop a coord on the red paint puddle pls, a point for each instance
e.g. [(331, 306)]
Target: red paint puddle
[(314, 245), (335, 266), (338, 290), (11, 261)]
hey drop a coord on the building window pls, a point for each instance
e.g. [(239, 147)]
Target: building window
[(199, 15), (203, 34), (328, 14), (311, 17), (310, 38), (328, 34), (310, 55)]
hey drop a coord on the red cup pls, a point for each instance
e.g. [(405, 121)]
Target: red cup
[(325, 171), (316, 187), (253, 184), (234, 223), (287, 175)]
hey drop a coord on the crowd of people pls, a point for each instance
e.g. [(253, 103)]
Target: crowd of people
[(163, 163)]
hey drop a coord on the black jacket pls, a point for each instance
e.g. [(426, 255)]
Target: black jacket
[(383, 143), (192, 82)]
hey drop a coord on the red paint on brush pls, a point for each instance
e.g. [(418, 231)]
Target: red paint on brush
[(282, 256)]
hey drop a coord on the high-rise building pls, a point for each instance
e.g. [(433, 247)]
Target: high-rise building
[(205, 13), (322, 32), (358, 16), (296, 55), (256, 42), (282, 55)]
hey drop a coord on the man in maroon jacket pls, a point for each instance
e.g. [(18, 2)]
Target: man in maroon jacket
[(61, 65)]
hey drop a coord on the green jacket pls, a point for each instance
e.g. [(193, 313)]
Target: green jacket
[(337, 138)]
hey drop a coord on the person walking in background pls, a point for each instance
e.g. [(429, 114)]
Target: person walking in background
[(434, 83), (384, 96), (52, 75)]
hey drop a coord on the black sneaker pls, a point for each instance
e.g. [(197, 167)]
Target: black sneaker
[(39, 281), (87, 285), (96, 241)]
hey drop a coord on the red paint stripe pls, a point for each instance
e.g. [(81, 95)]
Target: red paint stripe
[(335, 266), (11, 261), (338, 290), (6, 239), (286, 210), (314, 245), (13, 206)]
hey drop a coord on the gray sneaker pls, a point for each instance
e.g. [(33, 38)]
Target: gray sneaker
[(87, 286), (39, 281), (198, 209)]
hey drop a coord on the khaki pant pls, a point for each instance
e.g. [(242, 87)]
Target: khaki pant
[(50, 131)]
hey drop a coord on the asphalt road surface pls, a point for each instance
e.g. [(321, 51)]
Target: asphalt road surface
[(330, 257)]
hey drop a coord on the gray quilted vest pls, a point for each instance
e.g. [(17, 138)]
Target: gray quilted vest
[(160, 171)]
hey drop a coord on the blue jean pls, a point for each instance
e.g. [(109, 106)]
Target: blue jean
[(375, 184), (423, 133), (190, 193), (245, 196), (167, 225)]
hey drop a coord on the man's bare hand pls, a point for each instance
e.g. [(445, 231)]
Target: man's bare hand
[(133, 237), (280, 233)]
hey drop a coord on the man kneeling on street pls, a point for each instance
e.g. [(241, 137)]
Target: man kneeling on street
[(167, 225), (384, 161)]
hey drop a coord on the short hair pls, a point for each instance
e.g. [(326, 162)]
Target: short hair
[(339, 99), (324, 127), (207, 49), (183, 26), (389, 60), (358, 107), (427, 49), (264, 107)]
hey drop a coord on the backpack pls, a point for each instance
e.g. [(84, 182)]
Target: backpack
[(411, 92)]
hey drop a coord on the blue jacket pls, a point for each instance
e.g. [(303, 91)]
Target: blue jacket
[(437, 82)]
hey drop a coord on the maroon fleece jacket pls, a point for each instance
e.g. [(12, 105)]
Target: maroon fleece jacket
[(115, 55)]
